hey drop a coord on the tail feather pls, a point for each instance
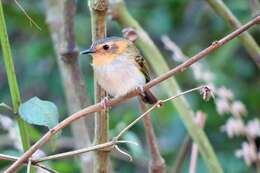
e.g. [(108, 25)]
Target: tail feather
[(148, 97)]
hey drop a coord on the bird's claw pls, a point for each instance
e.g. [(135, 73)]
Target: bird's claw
[(105, 103), (140, 90)]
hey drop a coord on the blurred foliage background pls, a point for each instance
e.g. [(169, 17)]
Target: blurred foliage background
[(192, 24)]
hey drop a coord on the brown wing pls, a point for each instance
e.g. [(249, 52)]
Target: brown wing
[(142, 65)]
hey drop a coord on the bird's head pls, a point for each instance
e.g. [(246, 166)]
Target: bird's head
[(104, 51)]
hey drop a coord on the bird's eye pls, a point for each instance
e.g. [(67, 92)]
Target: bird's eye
[(106, 47)]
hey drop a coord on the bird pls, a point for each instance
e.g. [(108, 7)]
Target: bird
[(120, 68)]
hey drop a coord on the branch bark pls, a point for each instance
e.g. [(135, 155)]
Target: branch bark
[(98, 10), (60, 16), (157, 163), (246, 39), (98, 107)]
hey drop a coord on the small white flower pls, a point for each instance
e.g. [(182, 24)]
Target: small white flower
[(225, 93), (238, 109), (222, 106), (252, 128), (247, 152), (234, 127)]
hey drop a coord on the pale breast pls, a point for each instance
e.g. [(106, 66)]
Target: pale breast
[(119, 77)]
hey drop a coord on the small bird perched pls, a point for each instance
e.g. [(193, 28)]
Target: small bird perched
[(119, 67)]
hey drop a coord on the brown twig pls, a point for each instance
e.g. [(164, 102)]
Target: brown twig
[(186, 144), (111, 144), (97, 107), (108, 146), (98, 10), (157, 163), (246, 39), (13, 158)]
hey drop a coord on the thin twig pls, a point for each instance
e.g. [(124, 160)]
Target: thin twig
[(246, 39), (156, 105), (115, 139), (183, 151), (28, 16), (7, 157), (157, 163), (97, 107), (29, 164), (45, 168), (13, 158)]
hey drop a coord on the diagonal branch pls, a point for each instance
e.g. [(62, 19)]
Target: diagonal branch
[(246, 39), (98, 107)]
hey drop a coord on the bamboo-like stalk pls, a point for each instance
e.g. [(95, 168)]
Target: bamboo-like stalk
[(246, 39), (159, 65), (157, 163), (98, 10), (60, 16), (11, 76), (98, 107)]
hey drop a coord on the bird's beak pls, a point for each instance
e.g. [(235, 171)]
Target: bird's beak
[(88, 51)]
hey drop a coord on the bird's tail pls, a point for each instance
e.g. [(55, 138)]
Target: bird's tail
[(148, 97)]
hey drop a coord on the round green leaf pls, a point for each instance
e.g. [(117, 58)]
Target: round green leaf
[(39, 112)]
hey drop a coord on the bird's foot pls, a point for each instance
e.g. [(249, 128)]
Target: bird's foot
[(105, 103), (140, 90)]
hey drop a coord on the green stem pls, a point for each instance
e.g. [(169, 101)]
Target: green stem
[(160, 66), (246, 39), (14, 90)]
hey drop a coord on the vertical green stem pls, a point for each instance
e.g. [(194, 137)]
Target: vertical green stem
[(98, 9), (14, 90)]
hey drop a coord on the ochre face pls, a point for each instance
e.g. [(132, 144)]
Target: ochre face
[(106, 52)]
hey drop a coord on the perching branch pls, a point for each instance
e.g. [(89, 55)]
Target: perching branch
[(60, 16), (246, 39), (121, 14), (157, 163), (113, 143), (98, 107), (98, 10)]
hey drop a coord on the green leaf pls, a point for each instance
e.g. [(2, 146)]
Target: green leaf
[(39, 112)]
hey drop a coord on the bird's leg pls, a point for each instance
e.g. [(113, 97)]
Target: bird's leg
[(105, 102), (140, 90)]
